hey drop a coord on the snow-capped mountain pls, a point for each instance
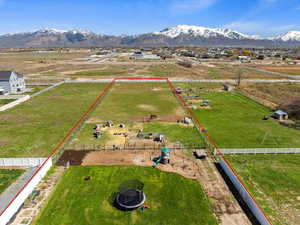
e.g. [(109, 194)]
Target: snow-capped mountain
[(290, 36), (205, 32), (181, 35)]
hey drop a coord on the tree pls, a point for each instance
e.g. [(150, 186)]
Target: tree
[(239, 77)]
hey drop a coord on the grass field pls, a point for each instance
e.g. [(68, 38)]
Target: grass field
[(291, 70), (35, 88), (188, 136), (173, 198), (7, 177), (33, 128), (235, 121), (127, 102), (273, 92), (274, 180), (5, 101)]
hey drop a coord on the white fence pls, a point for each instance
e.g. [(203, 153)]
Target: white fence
[(256, 211), (14, 103), (233, 151), (12, 208), (22, 162)]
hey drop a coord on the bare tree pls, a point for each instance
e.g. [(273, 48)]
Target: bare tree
[(239, 77)]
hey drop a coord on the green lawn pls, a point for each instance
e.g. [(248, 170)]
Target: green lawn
[(86, 137), (33, 128), (274, 180), (235, 121), (35, 88), (129, 101), (187, 136), (6, 101), (173, 198), (7, 177)]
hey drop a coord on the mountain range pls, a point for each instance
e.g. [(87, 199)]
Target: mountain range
[(181, 35)]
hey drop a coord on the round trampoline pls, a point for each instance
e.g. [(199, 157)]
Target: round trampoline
[(131, 198)]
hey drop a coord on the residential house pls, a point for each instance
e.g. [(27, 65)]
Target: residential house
[(11, 82)]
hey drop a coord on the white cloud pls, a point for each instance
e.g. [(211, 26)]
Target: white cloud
[(188, 6), (254, 27)]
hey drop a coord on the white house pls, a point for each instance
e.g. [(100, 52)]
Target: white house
[(11, 82), (142, 55)]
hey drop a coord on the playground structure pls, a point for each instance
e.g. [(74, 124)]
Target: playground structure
[(164, 157)]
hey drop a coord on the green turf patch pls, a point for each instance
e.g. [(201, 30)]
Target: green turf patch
[(7, 177), (188, 136), (274, 180), (6, 101), (129, 101), (35, 88), (173, 198), (33, 128), (235, 121)]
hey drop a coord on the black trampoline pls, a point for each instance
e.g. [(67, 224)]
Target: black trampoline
[(130, 195), (130, 198)]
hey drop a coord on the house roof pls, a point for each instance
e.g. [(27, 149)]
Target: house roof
[(280, 112), (5, 75)]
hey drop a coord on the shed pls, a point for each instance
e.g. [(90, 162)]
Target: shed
[(228, 87), (11, 82), (200, 154), (178, 90), (280, 115), (109, 123)]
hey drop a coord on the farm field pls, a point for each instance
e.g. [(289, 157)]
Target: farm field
[(273, 92), (7, 177), (132, 104), (274, 181), (91, 202), (76, 65), (291, 70), (206, 71), (33, 128), (129, 102), (235, 121)]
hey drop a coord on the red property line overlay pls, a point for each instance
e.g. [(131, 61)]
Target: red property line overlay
[(99, 98)]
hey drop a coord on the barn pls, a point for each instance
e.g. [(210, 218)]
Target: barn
[(11, 82)]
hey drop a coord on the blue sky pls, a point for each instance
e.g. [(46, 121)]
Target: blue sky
[(264, 17)]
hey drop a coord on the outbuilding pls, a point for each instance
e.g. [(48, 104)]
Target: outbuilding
[(280, 115), (228, 87), (11, 82)]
